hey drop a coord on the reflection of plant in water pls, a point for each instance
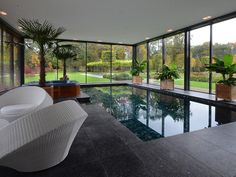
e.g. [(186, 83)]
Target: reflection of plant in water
[(137, 103), (116, 104), (164, 105), (120, 102)]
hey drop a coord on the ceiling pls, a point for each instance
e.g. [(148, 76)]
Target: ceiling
[(126, 21)]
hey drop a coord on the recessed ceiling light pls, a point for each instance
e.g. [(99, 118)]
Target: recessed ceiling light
[(207, 17), (3, 13), (147, 38), (170, 30)]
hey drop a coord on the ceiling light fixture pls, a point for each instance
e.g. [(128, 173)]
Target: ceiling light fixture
[(99, 40), (170, 30), (3, 13), (207, 17), (19, 27), (120, 42), (147, 38)]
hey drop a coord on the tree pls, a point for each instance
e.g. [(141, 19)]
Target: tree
[(175, 50), (64, 52), (43, 34)]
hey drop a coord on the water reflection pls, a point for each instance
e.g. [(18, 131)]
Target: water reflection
[(151, 115)]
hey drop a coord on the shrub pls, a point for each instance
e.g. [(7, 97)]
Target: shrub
[(120, 76), (204, 77), (98, 66), (107, 76)]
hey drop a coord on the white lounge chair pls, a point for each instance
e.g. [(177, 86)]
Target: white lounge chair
[(41, 139), (23, 100)]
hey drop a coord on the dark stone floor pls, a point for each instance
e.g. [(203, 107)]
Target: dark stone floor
[(105, 148)]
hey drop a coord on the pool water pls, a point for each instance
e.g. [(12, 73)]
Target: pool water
[(152, 115)]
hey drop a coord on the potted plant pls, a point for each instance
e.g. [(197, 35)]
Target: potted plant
[(43, 35), (136, 70), (167, 76), (64, 52), (226, 87)]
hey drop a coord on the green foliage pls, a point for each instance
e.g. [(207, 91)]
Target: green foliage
[(104, 66), (168, 72), (119, 76), (225, 67), (98, 63), (138, 68), (106, 55), (64, 52), (204, 77), (43, 34)]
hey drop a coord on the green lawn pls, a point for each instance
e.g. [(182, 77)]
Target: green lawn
[(80, 77)]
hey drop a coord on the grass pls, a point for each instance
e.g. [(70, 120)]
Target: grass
[(80, 77)]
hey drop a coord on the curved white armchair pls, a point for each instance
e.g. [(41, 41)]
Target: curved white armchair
[(23, 100), (41, 139)]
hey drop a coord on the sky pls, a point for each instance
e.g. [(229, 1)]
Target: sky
[(223, 33)]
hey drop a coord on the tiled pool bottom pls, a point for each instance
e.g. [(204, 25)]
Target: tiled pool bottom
[(152, 115)]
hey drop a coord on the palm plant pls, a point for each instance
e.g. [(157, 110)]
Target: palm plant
[(64, 52), (43, 34), (138, 68), (168, 72), (225, 67)]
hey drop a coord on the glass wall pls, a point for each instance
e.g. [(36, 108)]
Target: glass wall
[(224, 42), (174, 54), (141, 55), (155, 60), (9, 59), (98, 62), (121, 63), (199, 57), (94, 63)]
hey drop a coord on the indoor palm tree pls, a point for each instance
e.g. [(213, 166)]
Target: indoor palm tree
[(43, 34), (64, 52)]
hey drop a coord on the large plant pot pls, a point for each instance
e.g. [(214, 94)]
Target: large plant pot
[(167, 84), (137, 80), (225, 92)]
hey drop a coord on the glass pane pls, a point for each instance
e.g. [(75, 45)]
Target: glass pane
[(1, 62), (175, 55), (141, 56), (155, 60), (121, 63), (51, 67), (200, 51), (224, 42), (6, 60), (98, 62), (31, 62), (17, 47), (76, 68)]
